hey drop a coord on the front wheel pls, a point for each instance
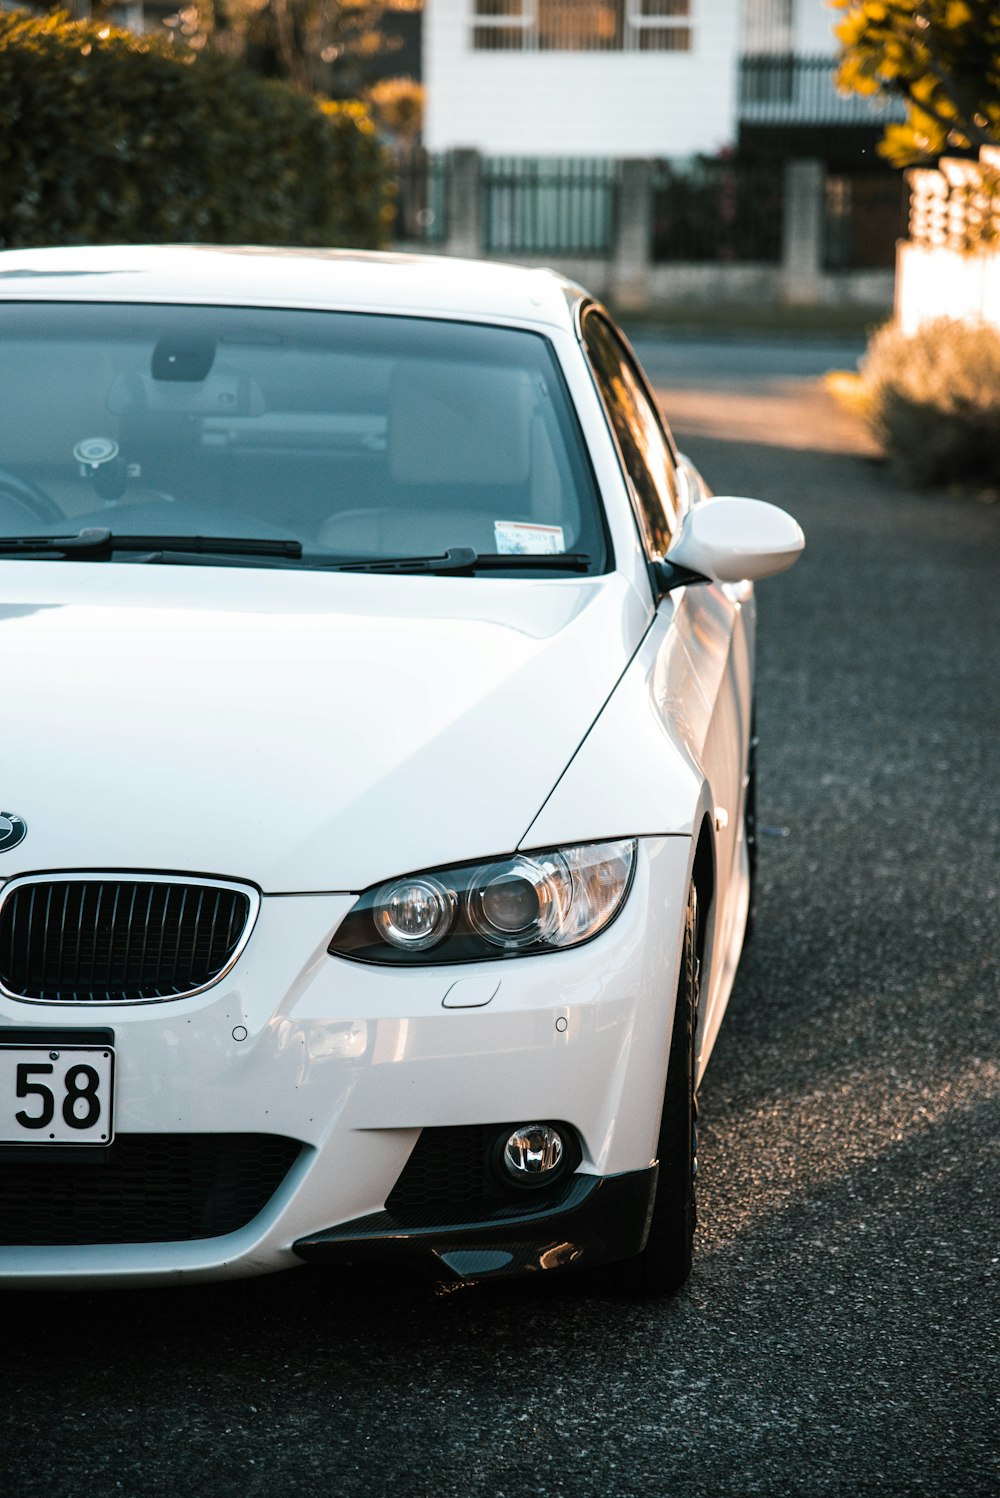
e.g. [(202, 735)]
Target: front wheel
[(665, 1262)]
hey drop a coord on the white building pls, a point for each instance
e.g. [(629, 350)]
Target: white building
[(609, 78)]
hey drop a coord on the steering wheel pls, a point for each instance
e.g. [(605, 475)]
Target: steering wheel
[(21, 497)]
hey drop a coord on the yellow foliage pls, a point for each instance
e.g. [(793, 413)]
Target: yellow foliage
[(942, 57), (848, 390), (896, 145), (851, 30), (399, 107)]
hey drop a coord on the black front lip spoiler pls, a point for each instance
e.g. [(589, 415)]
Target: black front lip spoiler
[(594, 1220)]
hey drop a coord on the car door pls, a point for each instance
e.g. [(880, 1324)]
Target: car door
[(715, 624)]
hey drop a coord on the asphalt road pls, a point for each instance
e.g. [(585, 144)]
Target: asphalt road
[(839, 1334)]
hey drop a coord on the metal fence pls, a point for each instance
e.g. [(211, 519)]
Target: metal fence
[(866, 214), (790, 89), (548, 206), (710, 210), (717, 211), (420, 198)]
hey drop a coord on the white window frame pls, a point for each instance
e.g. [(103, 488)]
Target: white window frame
[(635, 23), (527, 22)]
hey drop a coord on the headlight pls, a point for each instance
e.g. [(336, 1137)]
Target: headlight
[(413, 914), (525, 904)]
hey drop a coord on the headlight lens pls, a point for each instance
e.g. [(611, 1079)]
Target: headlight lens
[(515, 904), (413, 913), (526, 904)]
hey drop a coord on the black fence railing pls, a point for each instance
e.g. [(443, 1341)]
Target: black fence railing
[(548, 206), (792, 89), (420, 198), (866, 213), (710, 210), (717, 211)]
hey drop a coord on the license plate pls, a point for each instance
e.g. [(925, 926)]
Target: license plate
[(56, 1094)]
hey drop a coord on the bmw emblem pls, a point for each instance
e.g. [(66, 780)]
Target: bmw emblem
[(13, 830)]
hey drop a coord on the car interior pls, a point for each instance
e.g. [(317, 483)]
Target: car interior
[(354, 448)]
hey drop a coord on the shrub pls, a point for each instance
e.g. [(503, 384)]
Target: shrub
[(106, 137), (934, 399)]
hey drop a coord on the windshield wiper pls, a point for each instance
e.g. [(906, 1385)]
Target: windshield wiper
[(98, 545), (463, 559)]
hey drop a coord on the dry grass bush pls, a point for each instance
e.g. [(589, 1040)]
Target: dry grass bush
[(933, 400)]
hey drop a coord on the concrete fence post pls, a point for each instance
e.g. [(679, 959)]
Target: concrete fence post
[(803, 231), (633, 236), (465, 204)]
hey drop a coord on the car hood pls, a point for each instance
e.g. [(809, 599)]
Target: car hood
[(302, 731)]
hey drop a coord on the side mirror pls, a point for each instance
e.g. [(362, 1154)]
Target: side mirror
[(729, 540)]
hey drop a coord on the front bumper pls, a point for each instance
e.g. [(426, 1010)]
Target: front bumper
[(593, 1220), (351, 1062)]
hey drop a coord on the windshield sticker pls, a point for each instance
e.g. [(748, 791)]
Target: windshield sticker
[(516, 537)]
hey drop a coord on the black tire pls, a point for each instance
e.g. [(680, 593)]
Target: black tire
[(665, 1262)]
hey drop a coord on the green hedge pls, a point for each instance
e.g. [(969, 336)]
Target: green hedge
[(933, 399), (107, 137)]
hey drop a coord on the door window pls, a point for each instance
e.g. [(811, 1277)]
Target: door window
[(644, 447)]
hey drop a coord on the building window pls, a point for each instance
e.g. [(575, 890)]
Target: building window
[(578, 25), (658, 25), (501, 25), (581, 25), (768, 26)]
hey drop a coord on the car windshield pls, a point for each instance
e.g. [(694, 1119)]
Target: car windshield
[(357, 436)]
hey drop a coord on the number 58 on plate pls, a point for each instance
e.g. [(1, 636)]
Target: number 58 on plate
[(56, 1094)]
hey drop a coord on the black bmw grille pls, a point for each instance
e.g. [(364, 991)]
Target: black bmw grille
[(117, 940), (150, 1188)]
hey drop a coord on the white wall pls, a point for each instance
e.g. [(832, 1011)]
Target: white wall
[(814, 23), (936, 282), (581, 103)]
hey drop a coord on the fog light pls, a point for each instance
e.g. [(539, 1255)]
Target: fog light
[(532, 1153)]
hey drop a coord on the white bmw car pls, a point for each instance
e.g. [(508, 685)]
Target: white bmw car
[(376, 798)]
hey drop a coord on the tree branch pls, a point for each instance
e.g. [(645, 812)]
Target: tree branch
[(968, 128), (284, 35)]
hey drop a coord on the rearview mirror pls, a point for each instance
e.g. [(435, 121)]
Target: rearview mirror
[(729, 540)]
